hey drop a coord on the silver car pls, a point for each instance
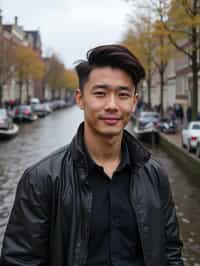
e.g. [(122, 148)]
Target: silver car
[(147, 118), (5, 120), (191, 135)]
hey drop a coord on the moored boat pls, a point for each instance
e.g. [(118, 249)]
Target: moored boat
[(145, 127), (148, 135), (11, 132)]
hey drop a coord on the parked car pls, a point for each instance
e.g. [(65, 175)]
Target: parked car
[(24, 113), (53, 105), (57, 104), (7, 127), (47, 108), (39, 110), (190, 135), (62, 104), (147, 118), (34, 101), (167, 125), (5, 120)]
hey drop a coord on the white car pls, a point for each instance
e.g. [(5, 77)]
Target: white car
[(191, 135), (34, 101)]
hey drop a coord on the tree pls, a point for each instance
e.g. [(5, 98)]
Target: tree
[(72, 80), (163, 53), (28, 66), (183, 28), (6, 63), (139, 41), (154, 42), (55, 75)]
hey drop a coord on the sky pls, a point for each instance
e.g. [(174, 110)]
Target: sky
[(70, 27)]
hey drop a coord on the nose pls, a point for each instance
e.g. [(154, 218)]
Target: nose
[(111, 103)]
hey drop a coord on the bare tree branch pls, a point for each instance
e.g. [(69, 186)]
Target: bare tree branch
[(180, 48), (189, 11)]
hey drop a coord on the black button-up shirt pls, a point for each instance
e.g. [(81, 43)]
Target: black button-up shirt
[(114, 238)]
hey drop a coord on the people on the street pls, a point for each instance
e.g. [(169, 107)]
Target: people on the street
[(189, 114)]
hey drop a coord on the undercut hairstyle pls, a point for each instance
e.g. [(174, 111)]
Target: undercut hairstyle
[(114, 56)]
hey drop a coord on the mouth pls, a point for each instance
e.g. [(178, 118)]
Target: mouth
[(110, 120)]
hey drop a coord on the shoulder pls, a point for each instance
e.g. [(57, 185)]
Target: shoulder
[(46, 171), (156, 172), (158, 176), (156, 167)]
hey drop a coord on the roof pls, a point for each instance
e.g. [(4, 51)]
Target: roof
[(35, 35), (7, 27)]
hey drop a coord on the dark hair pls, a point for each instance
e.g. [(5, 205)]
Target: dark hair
[(115, 56)]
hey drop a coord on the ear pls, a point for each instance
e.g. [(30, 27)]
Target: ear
[(79, 98)]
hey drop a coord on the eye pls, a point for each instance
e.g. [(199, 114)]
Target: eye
[(124, 95), (99, 93)]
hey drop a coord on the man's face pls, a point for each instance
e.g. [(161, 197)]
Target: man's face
[(108, 101)]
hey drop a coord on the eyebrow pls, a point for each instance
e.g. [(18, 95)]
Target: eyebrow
[(105, 86)]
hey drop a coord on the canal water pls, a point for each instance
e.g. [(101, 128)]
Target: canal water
[(38, 139)]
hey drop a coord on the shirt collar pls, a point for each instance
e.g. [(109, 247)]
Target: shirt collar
[(138, 154), (125, 158)]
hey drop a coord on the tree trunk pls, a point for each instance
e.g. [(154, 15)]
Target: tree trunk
[(60, 94), (53, 94), (194, 96), (43, 92), (27, 92), (162, 83), (20, 92), (149, 87), (162, 72), (43, 89), (1, 95)]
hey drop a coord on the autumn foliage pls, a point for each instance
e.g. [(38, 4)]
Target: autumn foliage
[(6, 63), (174, 28), (57, 76)]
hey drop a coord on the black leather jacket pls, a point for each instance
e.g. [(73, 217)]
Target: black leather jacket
[(49, 223)]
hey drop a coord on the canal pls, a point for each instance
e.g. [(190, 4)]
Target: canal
[(38, 139)]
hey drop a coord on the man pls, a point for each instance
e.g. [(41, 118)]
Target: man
[(102, 200)]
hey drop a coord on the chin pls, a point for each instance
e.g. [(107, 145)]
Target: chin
[(111, 132)]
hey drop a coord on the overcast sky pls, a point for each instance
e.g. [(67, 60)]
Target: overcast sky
[(70, 27)]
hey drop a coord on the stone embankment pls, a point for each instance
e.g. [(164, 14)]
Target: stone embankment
[(171, 143)]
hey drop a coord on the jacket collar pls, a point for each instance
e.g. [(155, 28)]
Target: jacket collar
[(138, 154)]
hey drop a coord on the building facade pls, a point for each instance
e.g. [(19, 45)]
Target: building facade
[(13, 35), (178, 84)]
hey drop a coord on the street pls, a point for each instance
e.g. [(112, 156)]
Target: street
[(38, 139)]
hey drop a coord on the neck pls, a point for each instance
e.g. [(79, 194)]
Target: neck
[(103, 149)]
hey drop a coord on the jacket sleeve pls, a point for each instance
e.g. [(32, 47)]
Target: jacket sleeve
[(172, 235), (26, 237)]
